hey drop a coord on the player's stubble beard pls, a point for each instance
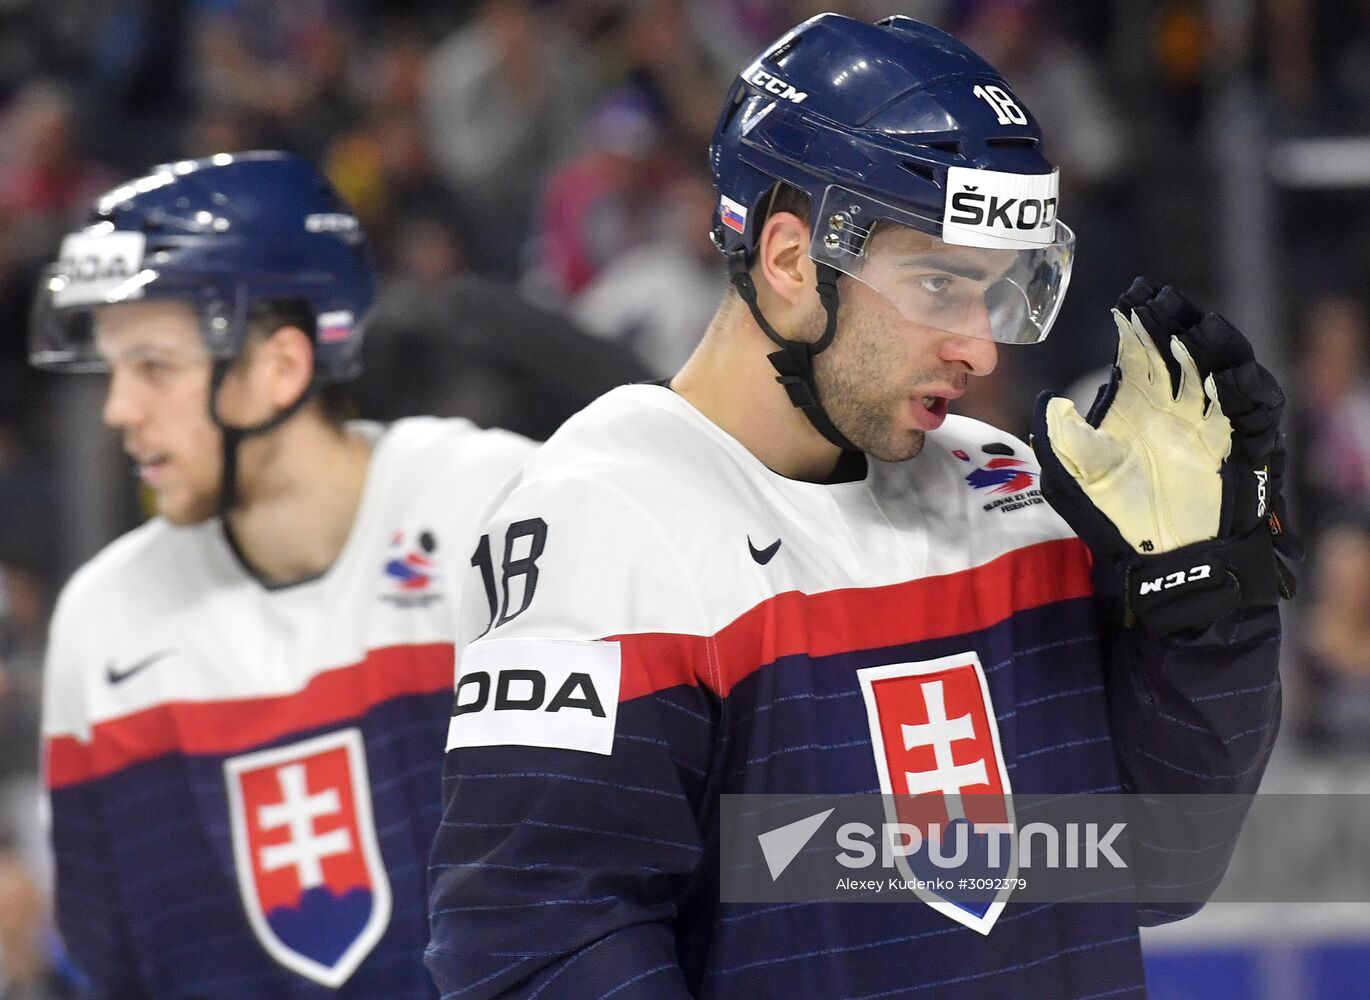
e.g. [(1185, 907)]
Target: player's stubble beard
[(861, 382), (193, 503)]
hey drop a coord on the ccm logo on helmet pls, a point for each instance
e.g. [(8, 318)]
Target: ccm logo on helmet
[(555, 693), (972, 207), (773, 85)]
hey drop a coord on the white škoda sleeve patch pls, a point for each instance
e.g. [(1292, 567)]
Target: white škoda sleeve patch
[(555, 693)]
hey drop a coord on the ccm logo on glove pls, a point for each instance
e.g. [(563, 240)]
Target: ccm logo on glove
[(1176, 579)]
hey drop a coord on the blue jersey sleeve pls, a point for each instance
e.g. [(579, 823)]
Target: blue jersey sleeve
[(576, 790), (90, 914), (1193, 716), (90, 917), (555, 872)]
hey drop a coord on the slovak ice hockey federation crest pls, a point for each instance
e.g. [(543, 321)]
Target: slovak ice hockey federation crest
[(937, 751), (304, 846)]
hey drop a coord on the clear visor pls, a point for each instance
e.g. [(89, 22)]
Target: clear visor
[(1008, 291), (64, 321)]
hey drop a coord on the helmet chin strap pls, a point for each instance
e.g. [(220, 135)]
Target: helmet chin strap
[(234, 435), (794, 361)]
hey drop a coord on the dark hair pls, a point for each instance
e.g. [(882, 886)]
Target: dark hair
[(787, 198), (783, 198), (267, 316)]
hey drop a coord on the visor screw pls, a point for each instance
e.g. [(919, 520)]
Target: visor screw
[(837, 221), (832, 241)]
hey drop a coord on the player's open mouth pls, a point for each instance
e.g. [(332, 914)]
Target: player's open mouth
[(929, 412), (152, 468)]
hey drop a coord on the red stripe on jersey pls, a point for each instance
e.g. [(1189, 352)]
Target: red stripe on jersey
[(841, 621), (223, 727)]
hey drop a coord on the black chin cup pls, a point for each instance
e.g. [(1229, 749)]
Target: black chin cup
[(793, 363)]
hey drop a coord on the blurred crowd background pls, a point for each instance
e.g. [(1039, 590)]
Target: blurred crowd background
[(533, 176)]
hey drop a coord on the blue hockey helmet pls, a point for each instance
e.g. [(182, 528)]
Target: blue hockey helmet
[(897, 127), (224, 234)]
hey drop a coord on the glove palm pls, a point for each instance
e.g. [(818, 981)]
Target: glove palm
[(1173, 481), (1153, 464)]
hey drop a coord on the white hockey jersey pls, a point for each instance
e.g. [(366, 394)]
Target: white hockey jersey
[(666, 621), (244, 780)]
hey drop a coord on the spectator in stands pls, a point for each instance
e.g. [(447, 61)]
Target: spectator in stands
[(1335, 660), (1331, 427), (24, 608), (599, 204), (507, 94), (662, 52), (285, 64), (21, 823), (385, 168), (44, 182), (655, 298)]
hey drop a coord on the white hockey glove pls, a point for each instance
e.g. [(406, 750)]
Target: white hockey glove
[(1173, 479)]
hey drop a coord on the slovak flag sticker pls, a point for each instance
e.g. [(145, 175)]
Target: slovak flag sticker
[(334, 327), (940, 763), (304, 846), (733, 214)]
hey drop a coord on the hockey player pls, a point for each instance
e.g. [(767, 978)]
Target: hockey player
[(245, 696), (726, 585)]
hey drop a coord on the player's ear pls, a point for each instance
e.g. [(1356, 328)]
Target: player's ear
[(783, 267), (288, 359)]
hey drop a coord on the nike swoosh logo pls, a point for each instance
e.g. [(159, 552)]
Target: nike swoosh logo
[(119, 676), (763, 556)]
